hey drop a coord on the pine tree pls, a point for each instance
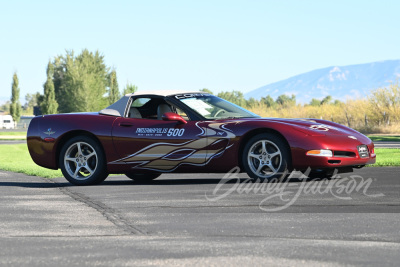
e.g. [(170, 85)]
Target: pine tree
[(15, 107), (49, 104), (113, 91), (130, 88)]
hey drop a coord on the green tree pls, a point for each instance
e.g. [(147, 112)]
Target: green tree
[(235, 97), (251, 102), (113, 90), (129, 89), (30, 101), (80, 82), (385, 103), (326, 100), (268, 101), (15, 107), (205, 90), (49, 104), (286, 101), (58, 81), (315, 102), (33, 101), (338, 102), (6, 107), (39, 101)]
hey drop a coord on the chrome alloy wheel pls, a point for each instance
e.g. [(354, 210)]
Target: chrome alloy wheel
[(264, 158), (80, 160)]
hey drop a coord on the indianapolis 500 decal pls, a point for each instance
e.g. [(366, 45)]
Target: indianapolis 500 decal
[(213, 140)]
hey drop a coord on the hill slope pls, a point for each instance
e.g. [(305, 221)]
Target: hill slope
[(341, 82)]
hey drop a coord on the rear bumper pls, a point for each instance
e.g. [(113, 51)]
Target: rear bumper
[(42, 153)]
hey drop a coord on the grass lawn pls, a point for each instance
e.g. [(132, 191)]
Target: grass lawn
[(385, 138), (16, 158), (12, 133), (387, 157), (12, 138)]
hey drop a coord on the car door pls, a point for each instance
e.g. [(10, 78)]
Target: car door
[(159, 145)]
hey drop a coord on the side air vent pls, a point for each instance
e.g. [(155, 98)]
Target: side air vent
[(344, 154)]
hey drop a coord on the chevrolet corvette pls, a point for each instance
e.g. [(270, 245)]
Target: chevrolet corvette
[(143, 135)]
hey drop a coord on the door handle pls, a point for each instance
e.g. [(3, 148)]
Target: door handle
[(126, 124)]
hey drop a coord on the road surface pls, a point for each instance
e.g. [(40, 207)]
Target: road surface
[(201, 220)]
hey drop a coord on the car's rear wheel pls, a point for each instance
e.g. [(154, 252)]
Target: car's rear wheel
[(266, 156), (82, 161), (143, 177)]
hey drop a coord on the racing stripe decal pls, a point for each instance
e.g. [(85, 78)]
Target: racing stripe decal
[(158, 156)]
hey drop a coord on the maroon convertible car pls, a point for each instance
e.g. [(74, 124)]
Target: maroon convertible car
[(143, 135)]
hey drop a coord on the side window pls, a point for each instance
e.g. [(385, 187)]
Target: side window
[(148, 108), (144, 108), (137, 108), (139, 102), (182, 114)]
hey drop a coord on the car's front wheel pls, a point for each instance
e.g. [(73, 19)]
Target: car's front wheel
[(82, 161), (266, 156)]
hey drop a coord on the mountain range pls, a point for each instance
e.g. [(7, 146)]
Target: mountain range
[(340, 82)]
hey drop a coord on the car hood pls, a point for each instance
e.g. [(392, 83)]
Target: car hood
[(311, 126)]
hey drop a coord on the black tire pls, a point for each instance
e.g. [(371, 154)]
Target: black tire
[(143, 177), (266, 156), (82, 161)]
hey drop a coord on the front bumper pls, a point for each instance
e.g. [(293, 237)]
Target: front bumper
[(332, 162), (344, 155)]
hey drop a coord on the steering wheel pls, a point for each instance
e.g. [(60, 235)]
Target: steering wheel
[(219, 112)]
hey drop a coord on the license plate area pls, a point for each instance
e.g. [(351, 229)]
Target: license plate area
[(363, 151)]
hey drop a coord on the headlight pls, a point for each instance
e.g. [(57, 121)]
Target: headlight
[(320, 153)]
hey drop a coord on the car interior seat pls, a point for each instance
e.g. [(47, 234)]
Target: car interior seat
[(161, 109), (134, 113)]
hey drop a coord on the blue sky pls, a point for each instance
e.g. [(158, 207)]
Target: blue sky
[(189, 45)]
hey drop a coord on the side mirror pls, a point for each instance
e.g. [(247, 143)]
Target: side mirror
[(170, 116)]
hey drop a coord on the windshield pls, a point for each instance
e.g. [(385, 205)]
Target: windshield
[(214, 108)]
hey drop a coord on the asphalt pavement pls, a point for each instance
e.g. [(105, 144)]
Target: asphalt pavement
[(12, 142), (202, 220), (386, 144)]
